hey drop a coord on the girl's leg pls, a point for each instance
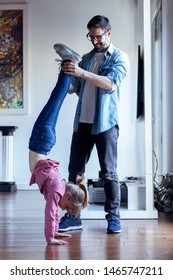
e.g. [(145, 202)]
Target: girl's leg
[(43, 135)]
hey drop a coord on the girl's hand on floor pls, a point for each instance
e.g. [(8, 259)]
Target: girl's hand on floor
[(58, 242)]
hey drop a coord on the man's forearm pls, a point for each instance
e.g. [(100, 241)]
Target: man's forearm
[(104, 82), (97, 80)]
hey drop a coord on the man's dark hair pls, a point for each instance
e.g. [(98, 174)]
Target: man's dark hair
[(99, 21)]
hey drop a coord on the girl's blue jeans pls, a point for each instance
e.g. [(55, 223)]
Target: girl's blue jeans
[(43, 136)]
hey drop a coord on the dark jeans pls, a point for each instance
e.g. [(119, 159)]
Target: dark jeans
[(106, 144), (43, 136)]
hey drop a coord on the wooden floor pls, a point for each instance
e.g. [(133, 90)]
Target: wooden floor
[(22, 237)]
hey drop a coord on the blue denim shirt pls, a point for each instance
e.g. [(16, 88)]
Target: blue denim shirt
[(115, 66)]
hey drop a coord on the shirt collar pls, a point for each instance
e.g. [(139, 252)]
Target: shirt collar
[(110, 49)]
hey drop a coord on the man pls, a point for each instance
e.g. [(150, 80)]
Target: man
[(96, 81)]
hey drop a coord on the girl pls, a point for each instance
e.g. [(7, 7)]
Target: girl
[(57, 193)]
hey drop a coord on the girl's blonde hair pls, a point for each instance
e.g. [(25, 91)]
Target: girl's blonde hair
[(79, 194)]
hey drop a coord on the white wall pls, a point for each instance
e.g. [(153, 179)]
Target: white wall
[(65, 21)]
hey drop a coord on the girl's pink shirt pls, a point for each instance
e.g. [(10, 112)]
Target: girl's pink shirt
[(51, 185)]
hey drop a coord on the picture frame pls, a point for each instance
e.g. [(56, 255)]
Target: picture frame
[(13, 59)]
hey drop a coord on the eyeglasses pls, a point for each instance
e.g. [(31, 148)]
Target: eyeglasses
[(97, 37)]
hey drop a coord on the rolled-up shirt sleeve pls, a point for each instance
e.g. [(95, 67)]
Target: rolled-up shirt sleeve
[(119, 69)]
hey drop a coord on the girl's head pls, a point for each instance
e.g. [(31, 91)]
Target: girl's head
[(75, 197)]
